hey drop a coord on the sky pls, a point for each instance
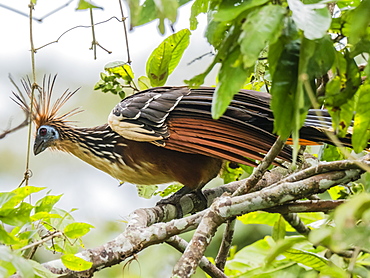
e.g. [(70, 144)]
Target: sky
[(94, 193)]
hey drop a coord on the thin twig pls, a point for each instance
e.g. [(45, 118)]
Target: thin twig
[(10, 130), (75, 27), (33, 87), (200, 57), (94, 42), (125, 31), (42, 241)]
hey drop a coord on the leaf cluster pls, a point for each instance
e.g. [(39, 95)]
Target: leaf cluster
[(25, 227)]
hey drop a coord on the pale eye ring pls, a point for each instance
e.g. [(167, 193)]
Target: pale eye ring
[(43, 131)]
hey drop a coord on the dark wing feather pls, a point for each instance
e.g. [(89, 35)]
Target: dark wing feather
[(142, 116)]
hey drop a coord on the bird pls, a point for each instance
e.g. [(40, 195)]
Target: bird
[(166, 134)]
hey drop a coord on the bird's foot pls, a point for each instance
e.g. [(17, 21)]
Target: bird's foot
[(174, 199)]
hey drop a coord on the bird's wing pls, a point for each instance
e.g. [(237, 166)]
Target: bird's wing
[(179, 118), (143, 116)]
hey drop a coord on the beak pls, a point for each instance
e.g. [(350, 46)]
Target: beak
[(39, 146)]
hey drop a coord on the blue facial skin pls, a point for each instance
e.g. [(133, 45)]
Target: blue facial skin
[(46, 135)]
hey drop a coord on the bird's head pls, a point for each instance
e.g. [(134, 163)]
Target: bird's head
[(45, 114), (46, 136)]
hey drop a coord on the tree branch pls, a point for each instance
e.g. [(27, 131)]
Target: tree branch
[(148, 226)]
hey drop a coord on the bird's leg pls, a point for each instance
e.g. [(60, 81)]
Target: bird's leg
[(174, 199)]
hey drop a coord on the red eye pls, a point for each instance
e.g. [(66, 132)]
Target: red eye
[(42, 131)]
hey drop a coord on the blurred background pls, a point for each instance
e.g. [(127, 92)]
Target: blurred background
[(97, 196)]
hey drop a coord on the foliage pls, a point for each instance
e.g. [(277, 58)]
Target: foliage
[(303, 53), (25, 227)]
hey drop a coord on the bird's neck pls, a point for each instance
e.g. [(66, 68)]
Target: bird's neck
[(93, 145)]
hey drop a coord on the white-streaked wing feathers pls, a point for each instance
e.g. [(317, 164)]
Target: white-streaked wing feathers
[(142, 117)]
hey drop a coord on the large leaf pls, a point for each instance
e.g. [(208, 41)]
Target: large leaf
[(232, 77), (20, 194), (166, 57), (315, 261), (361, 128), (313, 19), (283, 90), (261, 27), (16, 216), (359, 22)]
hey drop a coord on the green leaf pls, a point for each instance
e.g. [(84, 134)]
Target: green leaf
[(322, 58), (279, 231), (261, 217), (361, 128), (20, 194), (262, 26), (41, 271), (44, 216), (7, 238), (5, 197), (359, 22), (84, 5), (122, 69), (77, 229), (169, 190), (230, 174), (166, 57), (317, 262), (198, 7), (332, 153), (146, 191), (284, 88), (21, 265), (150, 10), (345, 84), (16, 216), (313, 19), (282, 246), (144, 83), (75, 263), (47, 203), (251, 256), (232, 76), (216, 32), (231, 9)]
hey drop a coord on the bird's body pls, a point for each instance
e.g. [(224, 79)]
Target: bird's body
[(166, 134)]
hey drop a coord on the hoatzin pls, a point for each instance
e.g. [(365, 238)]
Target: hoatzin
[(166, 134)]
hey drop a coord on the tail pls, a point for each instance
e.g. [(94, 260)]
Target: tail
[(316, 128)]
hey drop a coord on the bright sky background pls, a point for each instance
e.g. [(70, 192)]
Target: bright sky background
[(96, 194)]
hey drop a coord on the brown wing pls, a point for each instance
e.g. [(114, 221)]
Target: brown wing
[(179, 118)]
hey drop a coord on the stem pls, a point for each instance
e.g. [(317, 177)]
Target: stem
[(125, 30), (34, 85)]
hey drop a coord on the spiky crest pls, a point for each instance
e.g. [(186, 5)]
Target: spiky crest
[(45, 112)]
